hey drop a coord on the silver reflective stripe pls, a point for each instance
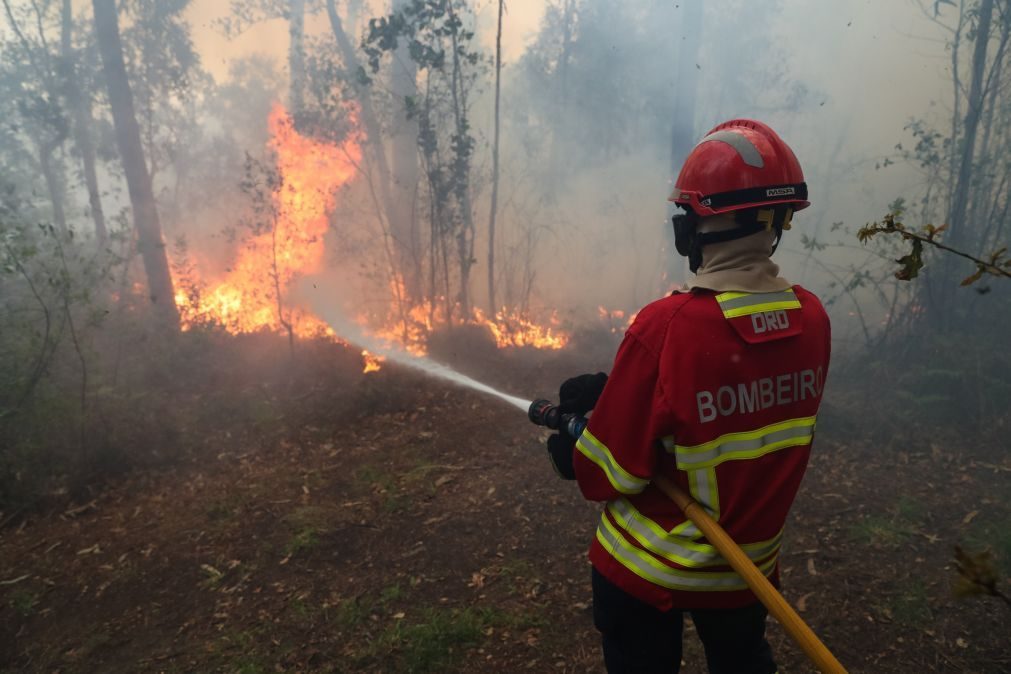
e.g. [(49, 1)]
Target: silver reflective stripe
[(750, 445), (702, 492), (644, 565), (678, 548), (737, 140), (759, 300), (599, 454), (758, 551), (660, 541)]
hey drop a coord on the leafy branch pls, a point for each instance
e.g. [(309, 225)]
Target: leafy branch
[(996, 263)]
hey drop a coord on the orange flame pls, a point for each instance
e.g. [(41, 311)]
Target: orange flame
[(247, 300), (251, 297), (616, 319)]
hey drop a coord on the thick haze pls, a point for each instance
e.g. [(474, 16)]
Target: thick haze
[(868, 67), (838, 80)]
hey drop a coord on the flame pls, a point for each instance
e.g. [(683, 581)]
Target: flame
[(512, 328), (252, 296), (246, 300), (372, 362), (616, 319)]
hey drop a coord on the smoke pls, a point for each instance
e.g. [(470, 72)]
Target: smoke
[(587, 163)]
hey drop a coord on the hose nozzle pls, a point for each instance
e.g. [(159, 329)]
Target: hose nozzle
[(546, 413)]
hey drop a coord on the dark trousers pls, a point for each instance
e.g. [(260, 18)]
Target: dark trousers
[(638, 637)]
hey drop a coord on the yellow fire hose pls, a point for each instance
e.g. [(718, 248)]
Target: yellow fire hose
[(756, 580)]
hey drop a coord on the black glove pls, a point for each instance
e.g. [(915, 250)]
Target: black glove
[(576, 396), (579, 394), (560, 448)]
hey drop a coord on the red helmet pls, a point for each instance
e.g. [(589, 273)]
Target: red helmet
[(740, 164)]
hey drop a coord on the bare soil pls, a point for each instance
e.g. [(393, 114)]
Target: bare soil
[(391, 523)]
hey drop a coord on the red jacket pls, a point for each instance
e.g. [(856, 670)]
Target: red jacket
[(720, 392)]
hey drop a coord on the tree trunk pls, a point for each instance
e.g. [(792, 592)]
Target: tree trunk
[(492, 308), (683, 123), (82, 123), (959, 234), (367, 113), (145, 211), (561, 99), (53, 184), (296, 58), (404, 223)]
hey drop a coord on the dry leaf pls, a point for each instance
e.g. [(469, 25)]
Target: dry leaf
[(802, 602), (810, 566), (399, 615), (968, 518), (476, 580)]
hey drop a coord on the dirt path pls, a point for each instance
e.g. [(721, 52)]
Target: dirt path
[(430, 535)]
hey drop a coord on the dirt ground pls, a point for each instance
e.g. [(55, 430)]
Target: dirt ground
[(419, 528)]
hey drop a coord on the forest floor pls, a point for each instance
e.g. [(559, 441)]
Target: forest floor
[(391, 523)]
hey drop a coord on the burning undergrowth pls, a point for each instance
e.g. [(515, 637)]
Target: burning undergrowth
[(294, 204)]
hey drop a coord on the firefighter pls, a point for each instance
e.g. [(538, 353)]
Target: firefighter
[(716, 386)]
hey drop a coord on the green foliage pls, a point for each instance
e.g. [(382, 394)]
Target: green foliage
[(303, 540), (24, 602), (911, 604), (442, 46), (437, 639)]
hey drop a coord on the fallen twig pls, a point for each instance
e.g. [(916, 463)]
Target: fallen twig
[(14, 581)]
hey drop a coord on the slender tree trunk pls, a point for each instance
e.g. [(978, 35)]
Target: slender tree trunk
[(296, 58), (145, 211), (404, 223), (959, 228), (54, 184), (956, 97), (79, 108), (984, 191), (46, 146), (367, 115), (466, 234), (492, 307), (561, 98)]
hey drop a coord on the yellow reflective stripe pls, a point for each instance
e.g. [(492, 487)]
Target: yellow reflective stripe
[(735, 304), (726, 297), (678, 549), (594, 450), (747, 444), (644, 565)]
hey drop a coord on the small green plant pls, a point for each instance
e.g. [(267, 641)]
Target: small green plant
[(438, 639), (351, 613), (876, 530), (391, 593), (304, 539), (912, 605), (24, 602)]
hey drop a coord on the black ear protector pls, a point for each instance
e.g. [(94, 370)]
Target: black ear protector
[(689, 242), (686, 238)]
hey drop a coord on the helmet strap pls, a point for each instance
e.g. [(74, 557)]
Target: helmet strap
[(689, 242)]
